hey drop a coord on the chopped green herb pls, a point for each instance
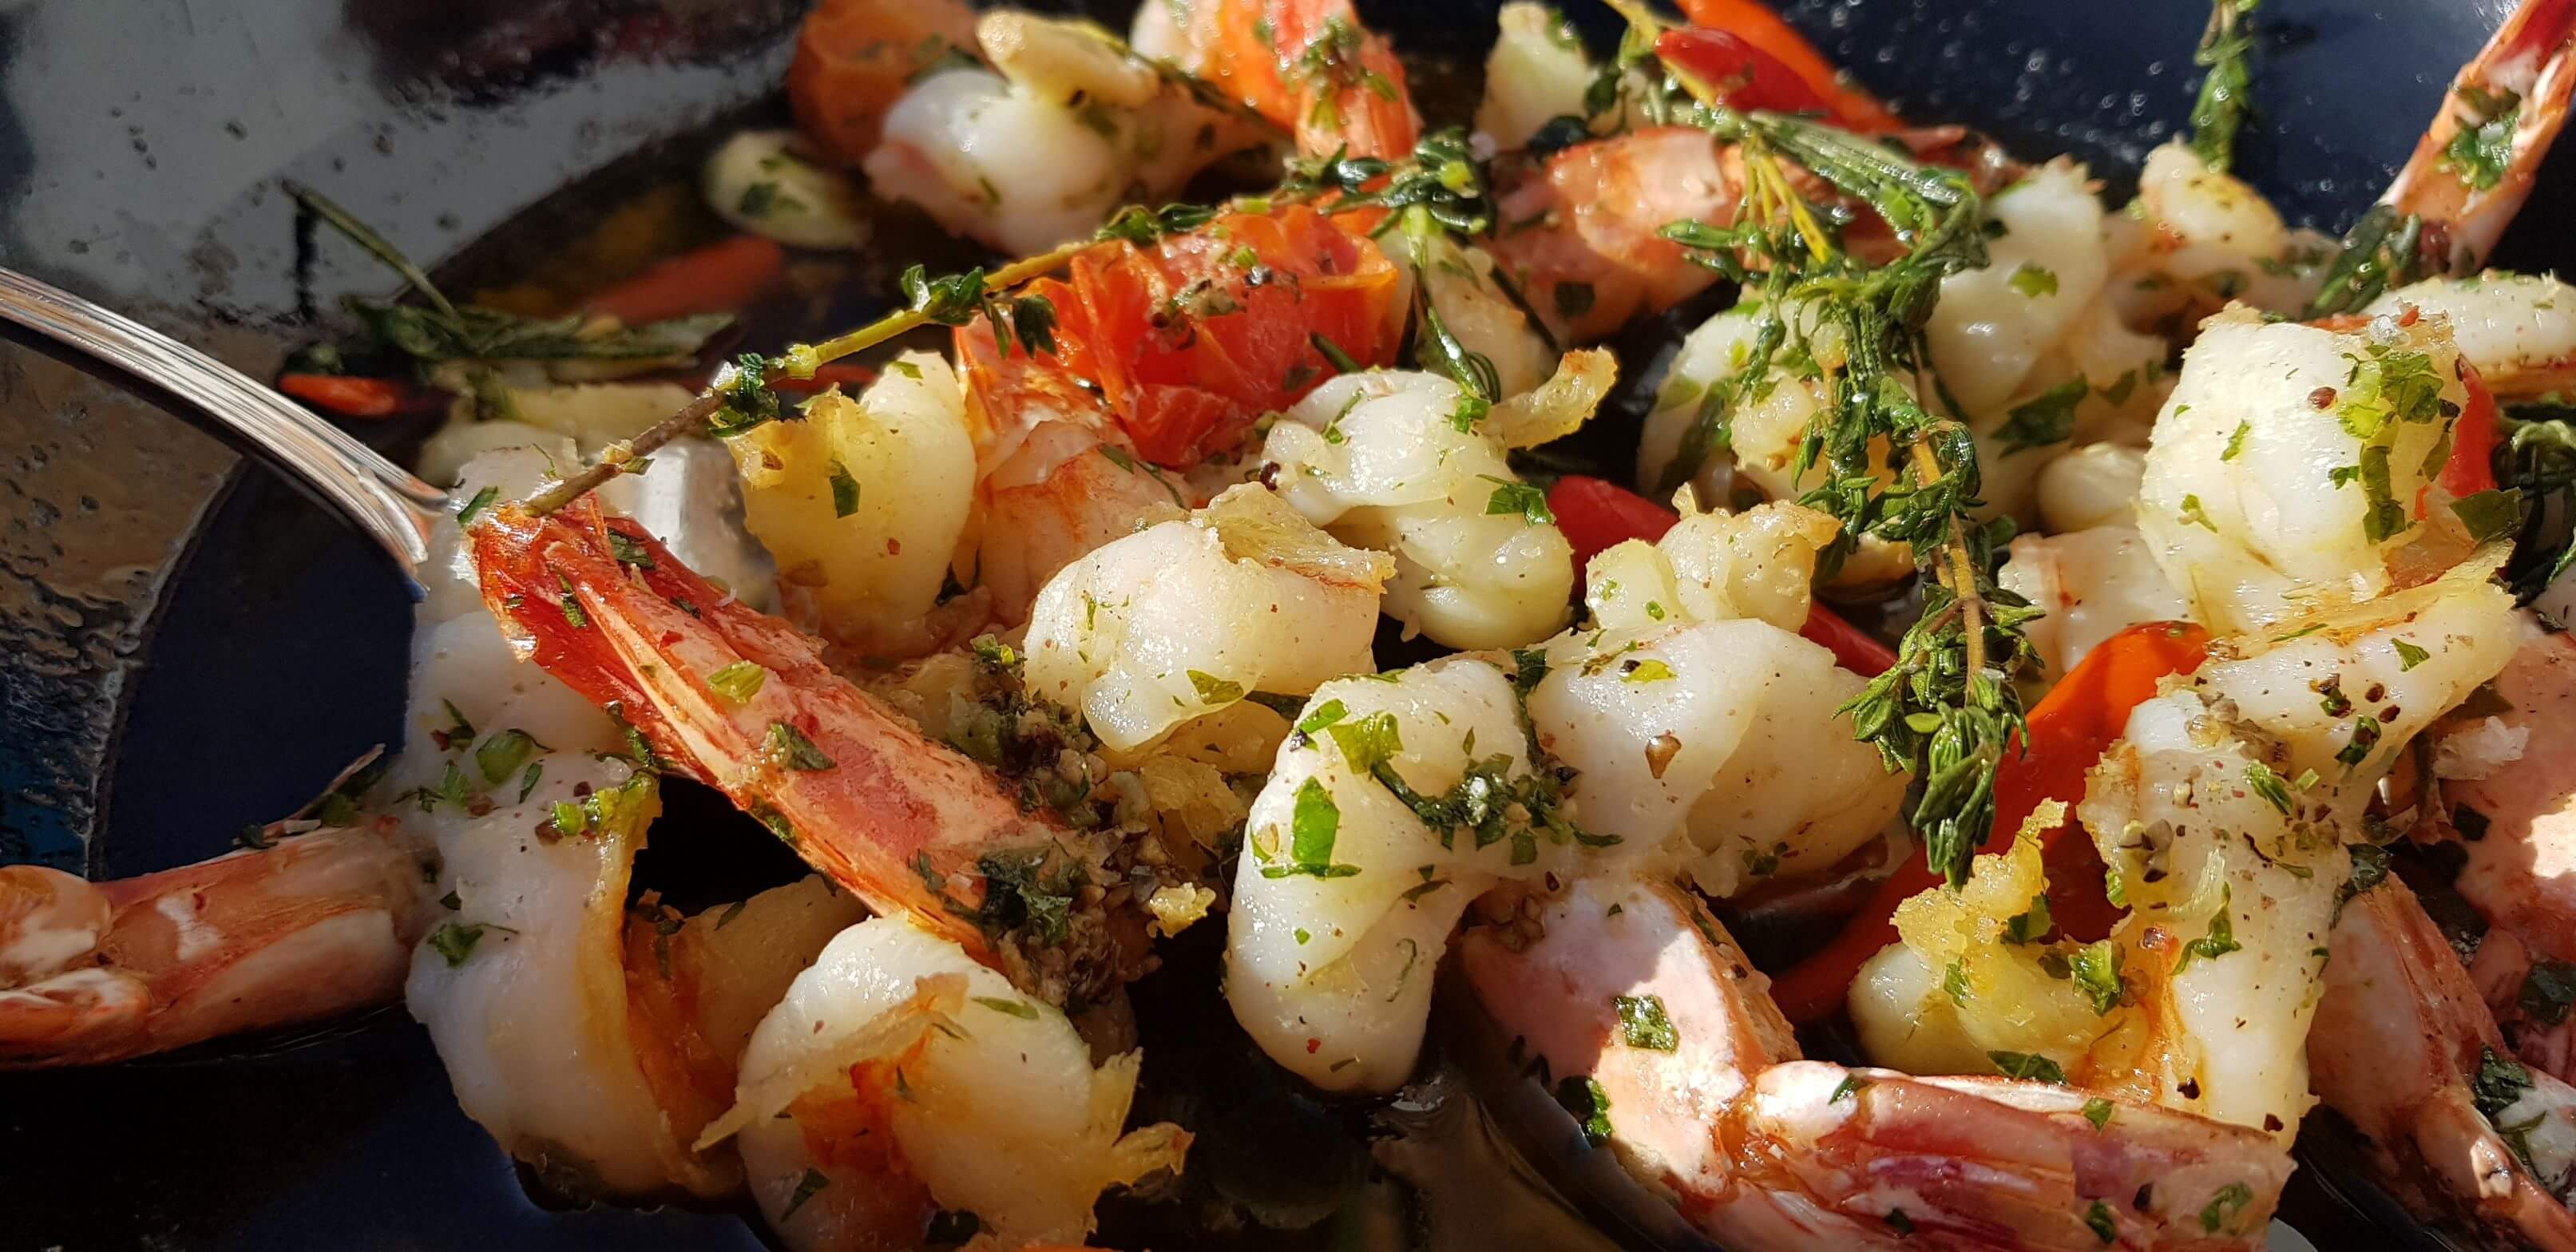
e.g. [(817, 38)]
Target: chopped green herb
[(1516, 497), (2097, 1111), (738, 682), (845, 490), (812, 1182), (1850, 1086), (1583, 1097), (2044, 419), (789, 747), (1325, 714), (1645, 671), (1212, 690), (2220, 940), (2194, 515), (2490, 515), (1643, 1024), (2268, 784), (2033, 280), (482, 500), (502, 754), (2236, 441), (2224, 1206), (2098, 1219), (1021, 1009), (2027, 1065), (2409, 656)]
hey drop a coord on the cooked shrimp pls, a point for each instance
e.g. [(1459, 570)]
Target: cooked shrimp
[(2288, 468), (863, 503), (1581, 234), (897, 820), (1712, 567), (313, 926), (1067, 126), (2044, 269), (2514, 792), (1307, 65), (1710, 748), (2196, 238), (2094, 485), (2475, 164), (898, 1078), (1386, 814), (2222, 814), (854, 58), (524, 987), (2403, 1048), (1536, 73), (2093, 584), (1384, 461), (1186, 618), (2519, 330), (1654, 1020)]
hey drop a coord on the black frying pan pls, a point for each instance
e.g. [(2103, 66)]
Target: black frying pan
[(187, 646)]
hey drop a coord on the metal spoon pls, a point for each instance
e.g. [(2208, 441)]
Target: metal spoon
[(381, 498)]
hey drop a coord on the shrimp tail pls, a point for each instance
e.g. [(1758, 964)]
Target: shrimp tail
[(1636, 992), (2476, 163), (855, 789), (306, 929)]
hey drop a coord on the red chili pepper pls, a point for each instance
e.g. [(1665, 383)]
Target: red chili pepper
[(1854, 649), (1742, 75), (1597, 514), (1754, 25), (719, 278), (346, 396), (2079, 719), (2471, 468)]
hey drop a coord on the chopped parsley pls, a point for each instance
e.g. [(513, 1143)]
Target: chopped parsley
[(1212, 690), (2027, 1065), (2409, 656), (1643, 1024), (1516, 497), (789, 747), (1313, 826), (738, 682), (845, 490), (1590, 1105), (2044, 419), (2033, 280)]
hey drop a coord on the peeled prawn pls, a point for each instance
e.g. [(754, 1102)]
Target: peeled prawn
[(2288, 467), (1381, 460), (1186, 618), (1065, 127), (2519, 330), (898, 1078), (1656, 1025), (1709, 747), (1345, 894)]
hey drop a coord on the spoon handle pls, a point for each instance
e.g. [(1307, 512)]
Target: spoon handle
[(394, 508)]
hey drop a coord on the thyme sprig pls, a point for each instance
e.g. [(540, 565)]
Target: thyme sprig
[(2226, 49), (1895, 468)]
